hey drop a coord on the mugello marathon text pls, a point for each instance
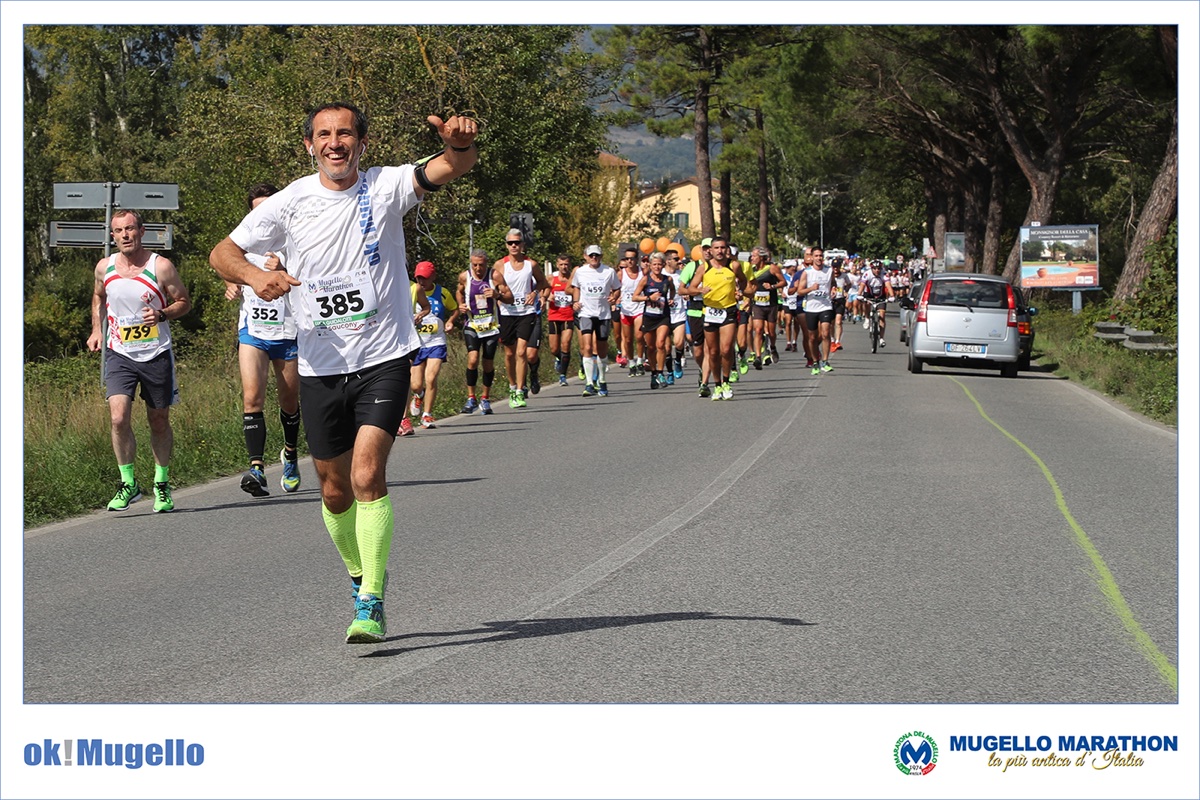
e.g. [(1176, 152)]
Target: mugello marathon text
[(99, 753), (1019, 744)]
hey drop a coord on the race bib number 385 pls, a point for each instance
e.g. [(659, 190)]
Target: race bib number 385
[(345, 304)]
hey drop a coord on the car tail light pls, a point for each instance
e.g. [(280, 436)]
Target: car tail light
[(1024, 328), (1012, 307), (923, 306)]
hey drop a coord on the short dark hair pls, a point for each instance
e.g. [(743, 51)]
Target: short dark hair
[(562, 257), (716, 239), (260, 190), (360, 119)]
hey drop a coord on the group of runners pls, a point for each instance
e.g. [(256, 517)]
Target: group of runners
[(657, 309), (357, 345)]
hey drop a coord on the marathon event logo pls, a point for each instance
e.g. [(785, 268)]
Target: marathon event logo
[(99, 753), (915, 753), (1097, 752)]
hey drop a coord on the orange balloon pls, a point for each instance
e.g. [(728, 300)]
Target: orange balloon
[(678, 248), (647, 246), (697, 253), (663, 243)]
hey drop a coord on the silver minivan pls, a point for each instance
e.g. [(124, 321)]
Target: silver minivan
[(964, 319)]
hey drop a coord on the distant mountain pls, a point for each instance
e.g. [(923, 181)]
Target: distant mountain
[(657, 158)]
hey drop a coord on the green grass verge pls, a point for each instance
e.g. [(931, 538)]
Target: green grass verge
[(69, 464), (1146, 382)]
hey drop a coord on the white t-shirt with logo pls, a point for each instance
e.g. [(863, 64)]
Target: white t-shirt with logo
[(595, 285), (352, 307)]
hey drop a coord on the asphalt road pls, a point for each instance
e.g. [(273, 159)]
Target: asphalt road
[(866, 536)]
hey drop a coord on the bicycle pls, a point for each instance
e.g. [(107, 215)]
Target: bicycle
[(874, 317)]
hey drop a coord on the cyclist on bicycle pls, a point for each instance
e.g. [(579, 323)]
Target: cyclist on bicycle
[(873, 288)]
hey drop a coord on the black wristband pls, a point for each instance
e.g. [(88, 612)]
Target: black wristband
[(461, 149), (423, 181)]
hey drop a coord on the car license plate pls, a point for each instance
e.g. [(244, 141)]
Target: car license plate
[(968, 349)]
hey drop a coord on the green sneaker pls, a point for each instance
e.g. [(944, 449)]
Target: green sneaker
[(126, 494), (826, 368), (743, 366), (816, 370), (162, 498), (369, 625), (733, 378), (290, 482)]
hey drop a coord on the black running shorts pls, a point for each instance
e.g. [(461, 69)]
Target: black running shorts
[(334, 407)]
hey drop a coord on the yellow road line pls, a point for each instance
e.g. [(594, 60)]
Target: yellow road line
[(1104, 577)]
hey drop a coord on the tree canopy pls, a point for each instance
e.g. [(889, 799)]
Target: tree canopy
[(884, 135)]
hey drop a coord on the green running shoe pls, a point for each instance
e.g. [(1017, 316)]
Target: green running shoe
[(816, 370), (826, 368), (369, 625), (743, 366), (290, 481), (126, 494), (733, 378), (162, 498)]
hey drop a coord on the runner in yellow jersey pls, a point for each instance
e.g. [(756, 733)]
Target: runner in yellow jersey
[(721, 285)]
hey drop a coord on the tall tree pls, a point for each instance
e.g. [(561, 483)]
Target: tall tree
[(1160, 207)]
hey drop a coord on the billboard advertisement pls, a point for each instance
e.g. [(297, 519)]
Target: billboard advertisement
[(956, 251), (1060, 257)]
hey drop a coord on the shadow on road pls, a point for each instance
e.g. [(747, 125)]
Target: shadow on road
[(511, 630)]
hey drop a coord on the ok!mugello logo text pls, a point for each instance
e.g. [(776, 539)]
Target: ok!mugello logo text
[(99, 753)]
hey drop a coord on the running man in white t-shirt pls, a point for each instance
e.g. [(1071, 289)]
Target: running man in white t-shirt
[(341, 232)]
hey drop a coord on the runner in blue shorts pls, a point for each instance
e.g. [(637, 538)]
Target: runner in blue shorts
[(267, 339)]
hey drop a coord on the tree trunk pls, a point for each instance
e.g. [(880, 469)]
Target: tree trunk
[(1161, 205), (1153, 222), (995, 218), (700, 128), (764, 196), (936, 200), (726, 176), (1041, 206)]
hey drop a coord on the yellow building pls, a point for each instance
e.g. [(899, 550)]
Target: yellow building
[(685, 205)]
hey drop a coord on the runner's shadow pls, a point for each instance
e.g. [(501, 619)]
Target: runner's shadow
[(512, 630)]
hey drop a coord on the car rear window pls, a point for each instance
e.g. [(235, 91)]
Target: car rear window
[(973, 294)]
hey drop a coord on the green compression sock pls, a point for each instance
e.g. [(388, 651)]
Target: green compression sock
[(161, 473), (341, 530), (375, 541), (127, 473)]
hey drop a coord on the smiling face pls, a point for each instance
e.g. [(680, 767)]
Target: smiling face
[(336, 146)]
